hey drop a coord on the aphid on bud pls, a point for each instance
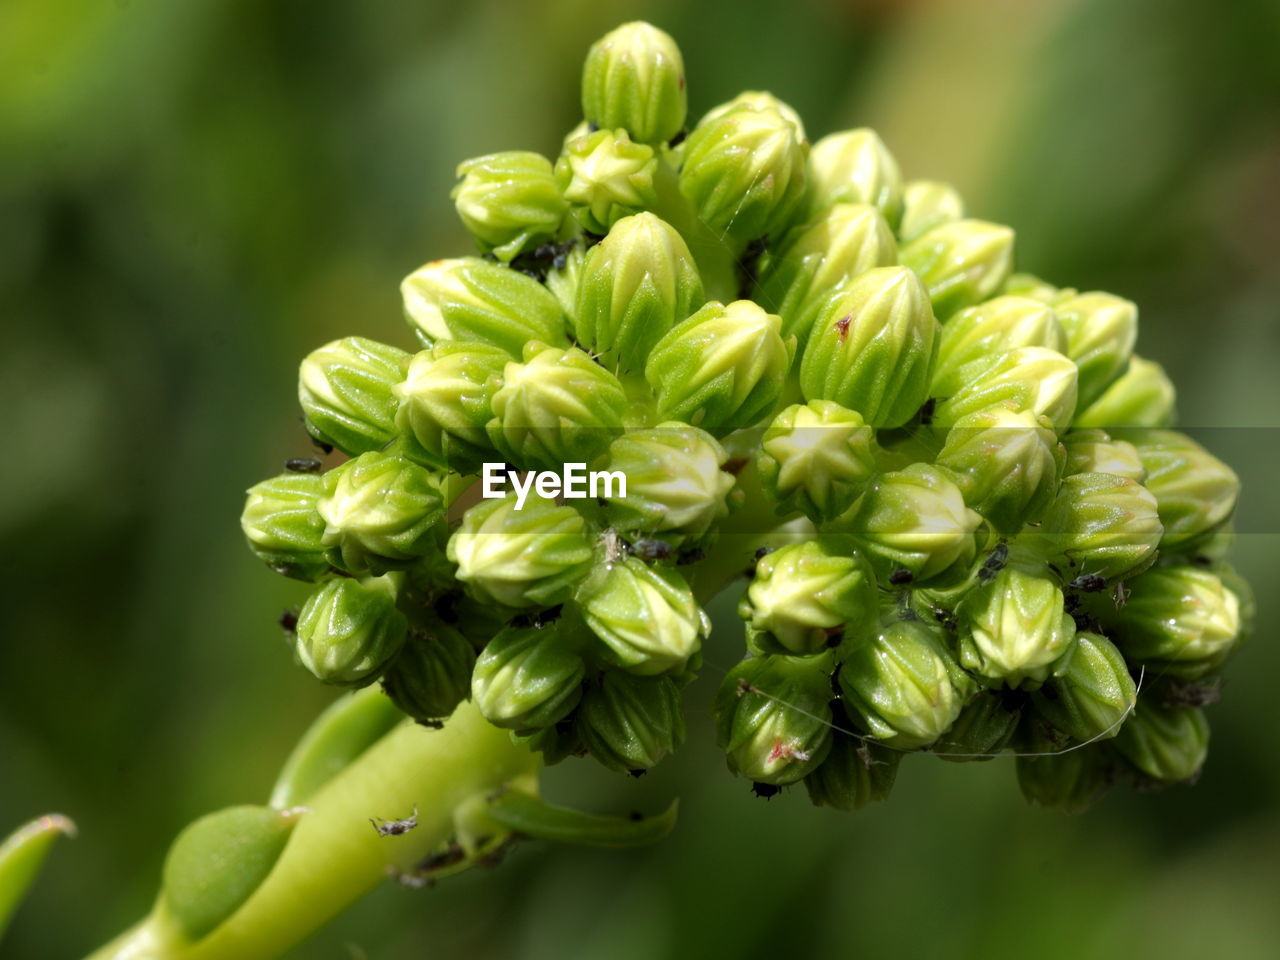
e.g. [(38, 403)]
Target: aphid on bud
[(766, 791), (901, 577), (651, 549), (1089, 583), (995, 562), (302, 465), (395, 828), (289, 620)]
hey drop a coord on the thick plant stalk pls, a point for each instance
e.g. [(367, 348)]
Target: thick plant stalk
[(334, 857)]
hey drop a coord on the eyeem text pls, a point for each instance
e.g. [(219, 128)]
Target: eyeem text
[(573, 483)]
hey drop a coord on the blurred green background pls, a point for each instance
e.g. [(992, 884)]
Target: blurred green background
[(194, 194)]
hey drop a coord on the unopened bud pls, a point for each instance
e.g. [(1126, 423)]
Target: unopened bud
[(855, 166), (1058, 777), (1196, 491), (349, 629), (1032, 379), (445, 402), (1090, 693), (927, 204), (760, 101), (816, 458), (1102, 525), (855, 773), (606, 177), (527, 678), (1013, 628), (509, 202), (977, 337), (282, 526), (1096, 451), (1101, 330), (1167, 744), (961, 263), (1142, 396), (634, 79), (630, 723), (982, 730), (345, 389), (431, 674)]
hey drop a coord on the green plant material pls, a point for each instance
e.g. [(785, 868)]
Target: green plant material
[(855, 166), (527, 678), (634, 79), (631, 723), (1195, 491), (349, 629), (509, 202), (1142, 396), (982, 730), (431, 674), (977, 337), (1066, 778), (816, 458), (345, 390), (531, 817), (606, 177), (22, 854), (1095, 451), (1167, 744), (1034, 380), (961, 263), (854, 774), (1090, 694), (1103, 526), (1101, 330), (927, 204), (1013, 628), (282, 526)]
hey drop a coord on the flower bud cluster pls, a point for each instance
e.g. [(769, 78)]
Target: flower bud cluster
[(978, 532)]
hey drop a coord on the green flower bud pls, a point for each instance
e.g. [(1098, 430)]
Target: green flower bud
[(854, 773), (975, 338), (962, 263), (927, 204), (773, 718), (872, 350), (1007, 465), (1102, 525), (1071, 781), (855, 166), (1165, 743), (1034, 379), (914, 520), (380, 511), (744, 174), (637, 283), (1101, 330), (816, 458), (557, 407), (282, 526), (529, 556), (1196, 492), (1090, 693), (1178, 621), (1142, 396), (646, 617), (803, 594), (1013, 628), (444, 402), (634, 79), (509, 202), (630, 723), (721, 369), (349, 629), (1029, 285), (474, 300), (431, 674), (527, 678), (1095, 451), (606, 177), (982, 730), (819, 260), (217, 863), (676, 488), (903, 686), (345, 389), (564, 277), (759, 101)]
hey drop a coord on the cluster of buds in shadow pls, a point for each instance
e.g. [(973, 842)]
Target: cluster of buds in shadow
[(980, 535)]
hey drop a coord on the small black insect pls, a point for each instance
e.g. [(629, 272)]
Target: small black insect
[(901, 577), (289, 621), (302, 465), (651, 549), (945, 617), (1089, 583), (995, 562), (395, 828), (766, 791), (687, 557), (926, 412), (678, 139), (637, 774)]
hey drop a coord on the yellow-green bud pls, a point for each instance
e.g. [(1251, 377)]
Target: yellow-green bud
[(630, 723), (345, 389), (646, 617), (557, 407), (431, 674), (927, 204), (349, 629), (380, 511), (903, 686), (855, 166), (1090, 693), (983, 729), (474, 300), (773, 720), (721, 369), (744, 174), (1007, 465), (217, 863), (605, 177), (820, 259), (1096, 451), (444, 402), (976, 338), (526, 557), (634, 79), (961, 263), (1142, 396), (805, 595), (816, 458), (1177, 621), (637, 283), (1196, 491), (914, 520), (854, 773), (761, 101), (1101, 525), (509, 202), (873, 348), (1168, 744), (527, 678), (1013, 628), (282, 526), (1101, 330), (1070, 781), (1029, 285), (676, 488), (1032, 379)]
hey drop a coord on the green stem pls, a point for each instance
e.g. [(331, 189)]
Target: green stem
[(333, 856)]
